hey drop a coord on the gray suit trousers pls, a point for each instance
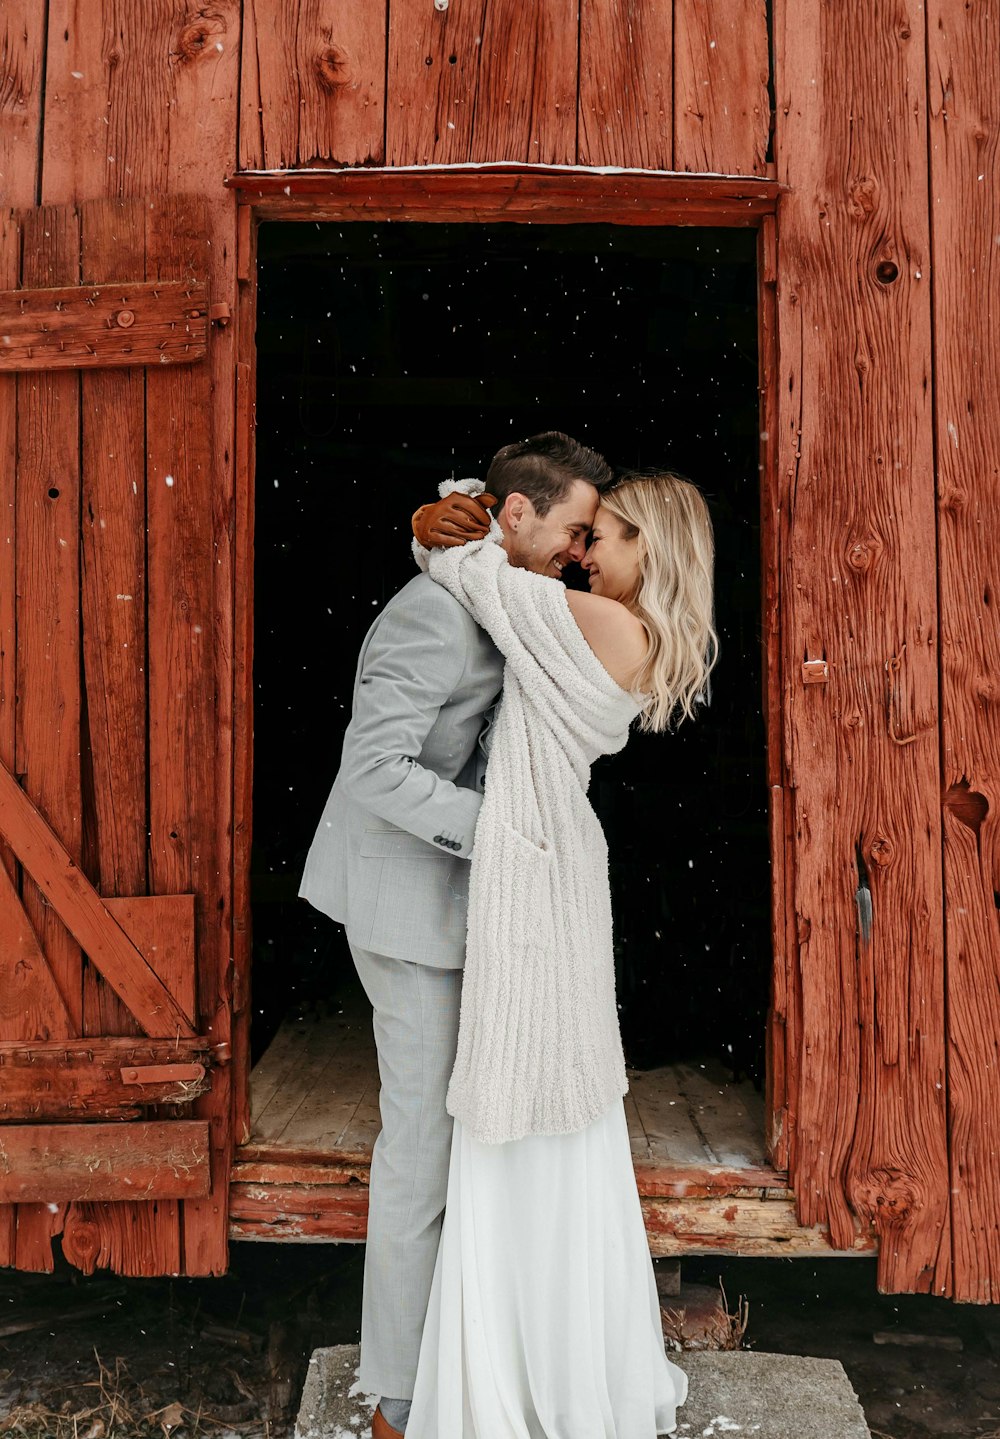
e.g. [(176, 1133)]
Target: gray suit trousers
[(416, 1008)]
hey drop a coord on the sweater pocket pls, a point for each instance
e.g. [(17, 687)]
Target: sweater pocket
[(518, 876)]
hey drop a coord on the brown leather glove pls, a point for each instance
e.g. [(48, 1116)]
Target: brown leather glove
[(453, 521)]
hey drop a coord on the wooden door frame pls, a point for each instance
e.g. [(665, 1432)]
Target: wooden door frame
[(541, 195)]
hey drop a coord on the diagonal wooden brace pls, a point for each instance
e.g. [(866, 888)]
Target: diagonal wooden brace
[(86, 916)]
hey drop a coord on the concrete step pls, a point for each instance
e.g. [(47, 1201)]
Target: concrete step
[(733, 1395)]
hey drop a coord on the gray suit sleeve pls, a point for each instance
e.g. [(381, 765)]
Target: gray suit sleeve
[(413, 663)]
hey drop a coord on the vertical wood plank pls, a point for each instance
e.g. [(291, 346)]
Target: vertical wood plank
[(47, 668), (113, 560), (312, 83), (964, 97), (243, 682), (782, 1018), (132, 1239), (22, 62), (189, 489), (626, 83), (47, 740), (22, 58), (855, 466), (139, 99), (482, 81), (721, 106)]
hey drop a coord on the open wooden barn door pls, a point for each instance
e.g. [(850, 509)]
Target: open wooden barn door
[(115, 755)]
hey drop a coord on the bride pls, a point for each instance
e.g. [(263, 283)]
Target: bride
[(543, 1320)]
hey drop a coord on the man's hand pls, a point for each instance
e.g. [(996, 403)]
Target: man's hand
[(453, 521)]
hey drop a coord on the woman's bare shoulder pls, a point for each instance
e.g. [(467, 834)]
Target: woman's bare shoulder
[(616, 636)]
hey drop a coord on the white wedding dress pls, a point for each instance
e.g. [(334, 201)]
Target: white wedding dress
[(543, 1320)]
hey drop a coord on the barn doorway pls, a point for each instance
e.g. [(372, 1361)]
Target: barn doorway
[(391, 356)]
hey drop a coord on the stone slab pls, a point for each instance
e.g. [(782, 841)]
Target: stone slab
[(738, 1393)]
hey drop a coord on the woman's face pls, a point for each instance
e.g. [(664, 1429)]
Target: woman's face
[(612, 561)]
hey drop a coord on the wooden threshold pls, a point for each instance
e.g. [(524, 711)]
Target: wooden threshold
[(697, 1144), (551, 195)]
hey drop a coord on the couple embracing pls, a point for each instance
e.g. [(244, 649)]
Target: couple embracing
[(509, 1291)]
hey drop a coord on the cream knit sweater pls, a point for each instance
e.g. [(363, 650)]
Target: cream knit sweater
[(539, 1046)]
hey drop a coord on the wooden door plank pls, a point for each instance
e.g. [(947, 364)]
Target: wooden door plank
[(482, 81), (71, 895), (133, 1239), (113, 599), (47, 745), (31, 1006), (626, 83), (20, 128), (157, 1159), (722, 111), (964, 92), (189, 497), (859, 591), (312, 83)]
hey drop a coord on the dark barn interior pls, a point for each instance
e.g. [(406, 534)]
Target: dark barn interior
[(391, 356)]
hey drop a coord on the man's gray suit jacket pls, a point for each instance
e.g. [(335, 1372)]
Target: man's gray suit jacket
[(390, 857)]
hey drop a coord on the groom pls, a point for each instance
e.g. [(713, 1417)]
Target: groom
[(390, 861)]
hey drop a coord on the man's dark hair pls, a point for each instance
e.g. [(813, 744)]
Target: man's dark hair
[(544, 468)]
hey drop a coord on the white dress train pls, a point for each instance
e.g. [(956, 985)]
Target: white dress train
[(543, 1320)]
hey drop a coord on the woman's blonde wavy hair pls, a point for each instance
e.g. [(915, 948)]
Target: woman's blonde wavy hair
[(674, 594)]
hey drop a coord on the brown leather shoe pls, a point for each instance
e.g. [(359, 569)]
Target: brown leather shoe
[(382, 1429)]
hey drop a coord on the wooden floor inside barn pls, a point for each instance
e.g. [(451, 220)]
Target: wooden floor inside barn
[(697, 1145)]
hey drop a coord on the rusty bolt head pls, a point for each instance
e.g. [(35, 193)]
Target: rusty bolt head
[(125, 318), (130, 1076)]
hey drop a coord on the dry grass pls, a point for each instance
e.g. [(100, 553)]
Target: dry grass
[(114, 1408), (724, 1329)]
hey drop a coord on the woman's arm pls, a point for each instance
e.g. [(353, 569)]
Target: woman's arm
[(618, 639)]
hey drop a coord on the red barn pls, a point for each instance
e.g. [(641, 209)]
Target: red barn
[(165, 169)]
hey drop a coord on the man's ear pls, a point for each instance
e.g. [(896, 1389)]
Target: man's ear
[(516, 509)]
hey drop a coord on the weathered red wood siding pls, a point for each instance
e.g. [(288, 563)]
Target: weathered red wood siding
[(964, 96), (867, 1124), (591, 82)]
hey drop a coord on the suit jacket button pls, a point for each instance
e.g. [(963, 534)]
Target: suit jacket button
[(440, 839), (456, 844)]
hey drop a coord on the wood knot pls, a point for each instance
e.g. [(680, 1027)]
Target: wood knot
[(881, 852), (886, 271), (885, 1196), (967, 805), (81, 1243), (862, 553), (862, 197), (330, 65), (192, 40)]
